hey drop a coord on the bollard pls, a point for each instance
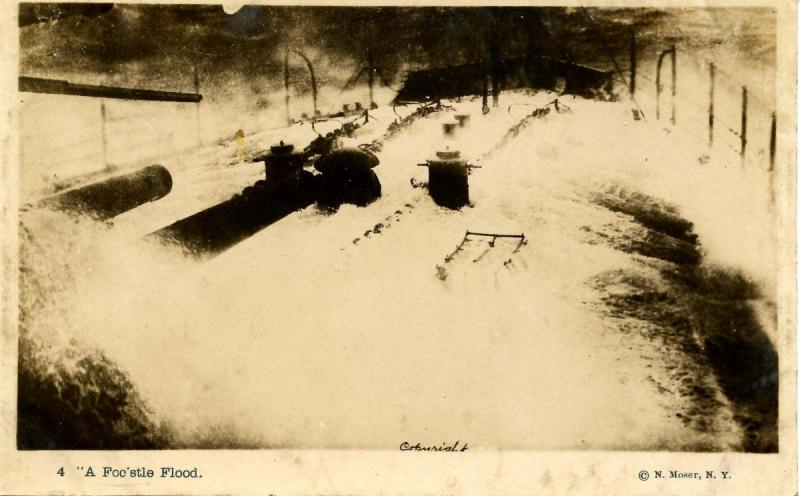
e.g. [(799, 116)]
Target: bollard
[(449, 129), (109, 198), (282, 163), (463, 120), (448, 179), (283, 168)]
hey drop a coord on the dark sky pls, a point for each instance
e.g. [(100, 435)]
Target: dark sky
[(159, 46), (163, 43)]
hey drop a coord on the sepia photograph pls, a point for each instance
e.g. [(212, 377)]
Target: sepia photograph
[(424, 230)]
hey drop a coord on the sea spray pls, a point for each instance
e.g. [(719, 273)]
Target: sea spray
[(71, 395)]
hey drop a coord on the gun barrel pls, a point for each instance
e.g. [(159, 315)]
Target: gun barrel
[(115, 195)]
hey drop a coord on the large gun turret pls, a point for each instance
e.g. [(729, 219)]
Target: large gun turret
[(346, 176), (287, 188)]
